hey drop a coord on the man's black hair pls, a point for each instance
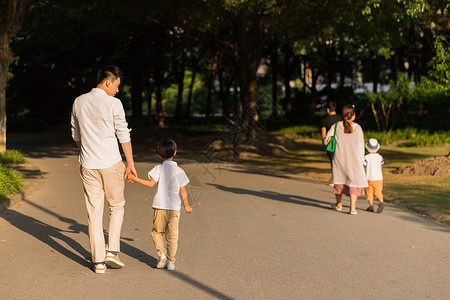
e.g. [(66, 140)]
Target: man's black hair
[(109, 72), (331, 106), (166, 147)]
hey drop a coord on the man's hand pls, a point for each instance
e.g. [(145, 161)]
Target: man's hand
[(130, 170)]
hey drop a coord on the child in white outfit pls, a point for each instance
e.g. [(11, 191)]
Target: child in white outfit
[(374, 163), (172, 181)]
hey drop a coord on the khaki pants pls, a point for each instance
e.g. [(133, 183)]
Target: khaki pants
[(165, 222), (375, 188), (98, 185)]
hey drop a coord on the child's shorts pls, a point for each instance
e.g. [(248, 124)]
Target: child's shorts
[(375, 188)]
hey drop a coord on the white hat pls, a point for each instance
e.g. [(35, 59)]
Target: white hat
[(372, 145)]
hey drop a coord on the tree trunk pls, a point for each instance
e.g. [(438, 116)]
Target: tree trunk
[(375, 74), (158, 96), (3, 83), (224, 90), (136, 97), (274, 63), (313, 102), (287, 80), (180, 81), (212, 72), (11, 22), (375, 115), (249, 45), (189, 100), (394, 66)]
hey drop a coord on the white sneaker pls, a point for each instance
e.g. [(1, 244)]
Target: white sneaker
[(114, 262), (170, 266), (100, 268), (162, 262)]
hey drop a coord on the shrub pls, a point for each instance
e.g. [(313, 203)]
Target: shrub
[(410, 137), (10, 182), (11, 157), (300, 131)]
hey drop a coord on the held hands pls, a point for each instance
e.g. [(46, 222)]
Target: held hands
[(131, 177), (130, 171)]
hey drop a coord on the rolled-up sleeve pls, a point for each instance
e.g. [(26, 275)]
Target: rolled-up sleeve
[(120, 123), (75, 128)]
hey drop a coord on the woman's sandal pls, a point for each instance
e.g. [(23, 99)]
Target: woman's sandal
[(334, 207), (353, 212)]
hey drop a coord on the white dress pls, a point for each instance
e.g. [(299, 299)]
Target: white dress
[(348, 158)]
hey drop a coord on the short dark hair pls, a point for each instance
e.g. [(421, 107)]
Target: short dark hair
[(109, 72), (166, 147), (331, 106)]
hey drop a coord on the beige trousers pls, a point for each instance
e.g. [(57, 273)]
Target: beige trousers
[(100, 184), (165, 223)]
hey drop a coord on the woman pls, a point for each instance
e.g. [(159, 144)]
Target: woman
[(348, 170)]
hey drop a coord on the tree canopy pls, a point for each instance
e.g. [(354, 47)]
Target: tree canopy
[(218, 55)]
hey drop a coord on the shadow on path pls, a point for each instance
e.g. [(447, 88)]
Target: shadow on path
[(52, 236), (275, 196)]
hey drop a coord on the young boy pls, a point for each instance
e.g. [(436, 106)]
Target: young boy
[(374, 163), (172, 183)]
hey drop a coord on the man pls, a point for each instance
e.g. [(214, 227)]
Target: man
[(327, 122), (98, 121)]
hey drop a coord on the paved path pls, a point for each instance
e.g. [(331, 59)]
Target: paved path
[(253, 235)]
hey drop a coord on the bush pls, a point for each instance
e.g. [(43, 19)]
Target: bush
[(299, 131), (10, 182), (12, 157), (410, 137)]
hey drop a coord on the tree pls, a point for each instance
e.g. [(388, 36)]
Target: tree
[(10, 24)]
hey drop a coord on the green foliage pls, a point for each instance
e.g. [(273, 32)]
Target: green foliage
[(10, 182), (410, 137), (441, 62), (11, 157), (299, 131), (430, 92)]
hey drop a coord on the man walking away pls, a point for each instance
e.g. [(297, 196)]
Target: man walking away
[(98, 121)]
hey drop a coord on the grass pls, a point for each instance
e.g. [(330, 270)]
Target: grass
[(406, 137), (11, 182), (12, 157)]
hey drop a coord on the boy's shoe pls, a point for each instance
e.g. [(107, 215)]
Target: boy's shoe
[(162, 262), (170, 266), (114, 262), (99, 268), (380, 207), (370, 208)]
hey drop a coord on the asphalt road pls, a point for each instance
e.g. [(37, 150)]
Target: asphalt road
[(254, 234)]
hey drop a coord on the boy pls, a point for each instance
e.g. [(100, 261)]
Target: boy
[(172, 183), (374, 163)]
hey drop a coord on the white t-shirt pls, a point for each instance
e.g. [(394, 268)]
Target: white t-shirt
[(373, 163), (170, 178)]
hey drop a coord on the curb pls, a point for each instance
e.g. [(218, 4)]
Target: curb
[(32, 177)]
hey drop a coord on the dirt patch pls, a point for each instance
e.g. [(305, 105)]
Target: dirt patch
[(435, 166), (265, 144)]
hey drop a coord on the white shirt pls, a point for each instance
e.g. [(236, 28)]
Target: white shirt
[(98, 120), (373, 163), (170, 178)]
